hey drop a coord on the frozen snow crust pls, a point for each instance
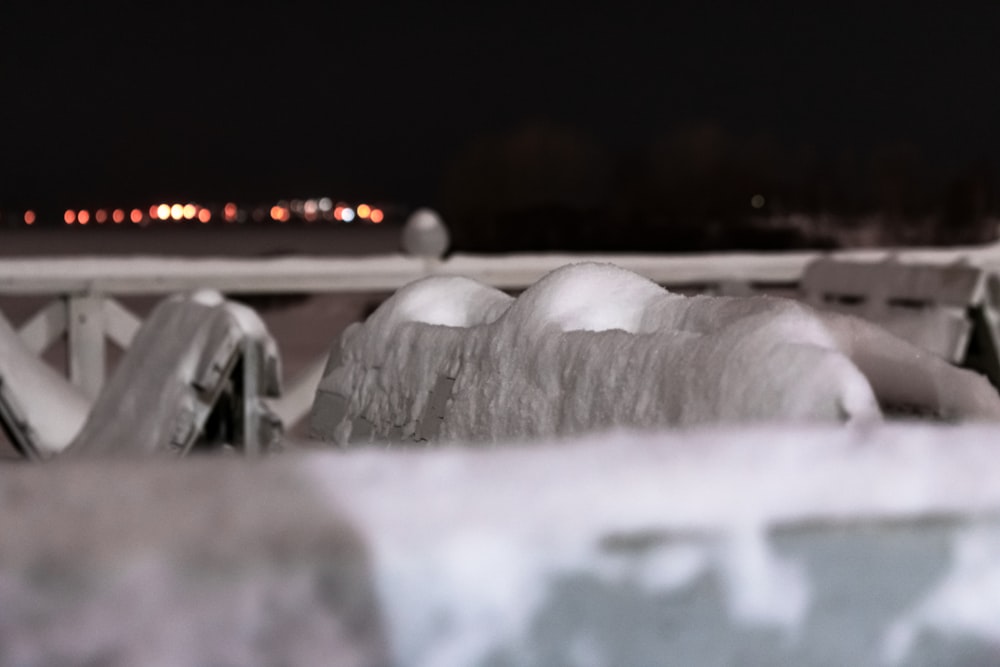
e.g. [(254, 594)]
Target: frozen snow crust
[(588, 346)]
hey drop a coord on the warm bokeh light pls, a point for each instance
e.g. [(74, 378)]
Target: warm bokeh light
[(136, 216), (177, 212), (280, 213), (29, 217), (338, 213), (204, 215), (325, 204), (118, 216), (101, 216), (364, 210), (69, 217), (377, 215), (189, 211), (230, 211), (162, 212), (83, 217)]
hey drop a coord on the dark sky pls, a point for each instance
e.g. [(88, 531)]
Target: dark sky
[(134, 104)]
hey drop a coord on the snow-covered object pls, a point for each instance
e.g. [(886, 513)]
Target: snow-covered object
[(163, 389), (765, 545), (425, 235), (42, 404), (593, 346)]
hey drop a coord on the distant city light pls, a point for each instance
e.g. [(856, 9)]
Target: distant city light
[(326, 204), (230, 211), (338, 213), (377, 215), (176, 211), (757, 201), (280, 213), (83, 217), (189, 211), (348, 214), (135, 216), (69, 217), (364, 210), (162, 212), (204, 215), (101, 216), (118, 216), (29, 217)]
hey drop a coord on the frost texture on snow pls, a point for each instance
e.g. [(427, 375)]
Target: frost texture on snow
[(593, 346), (589, 346)]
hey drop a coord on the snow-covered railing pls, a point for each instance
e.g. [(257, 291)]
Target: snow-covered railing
[(767, 546), (87, 313)]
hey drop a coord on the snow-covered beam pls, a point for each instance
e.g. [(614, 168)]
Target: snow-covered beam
[(779, 546)]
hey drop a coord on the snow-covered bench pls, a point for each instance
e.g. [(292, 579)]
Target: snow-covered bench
[(949, 310), (593, 346), (195, 374)]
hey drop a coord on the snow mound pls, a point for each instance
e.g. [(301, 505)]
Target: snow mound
[(589, 346)]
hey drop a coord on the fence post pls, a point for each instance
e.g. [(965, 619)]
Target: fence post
[(85, 353)]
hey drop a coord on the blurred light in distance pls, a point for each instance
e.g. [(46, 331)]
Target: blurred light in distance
[(757, 201), (280, 213), (325, 204), (154, 212), (377, 215), (189, 211), (204, 215), (230, 211), (135, 216), (338, 213), (118, 216), (29, 217), (348, 214), (83, 217), (176, 211), (310, 207), (69, 216), (364, 210), (162, 212), (101, 216)]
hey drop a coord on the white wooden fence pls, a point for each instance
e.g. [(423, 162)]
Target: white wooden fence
[(85, 311)]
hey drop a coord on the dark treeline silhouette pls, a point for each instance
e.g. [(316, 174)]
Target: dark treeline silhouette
[(547, 187)]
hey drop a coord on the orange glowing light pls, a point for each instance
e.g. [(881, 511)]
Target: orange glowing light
[(83, 217), (29, 217), (135, 216), (118, 216), (364, 210), (101, 216), (338, 213), (176, 211), (230, 211), (69, 216), (162, 212), (189, 211), (377, 215), (275, 213), (204, 215)]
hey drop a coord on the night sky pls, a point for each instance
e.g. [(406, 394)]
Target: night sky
[(365, 100)]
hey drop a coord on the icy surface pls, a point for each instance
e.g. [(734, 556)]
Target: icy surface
[(592, 346)]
